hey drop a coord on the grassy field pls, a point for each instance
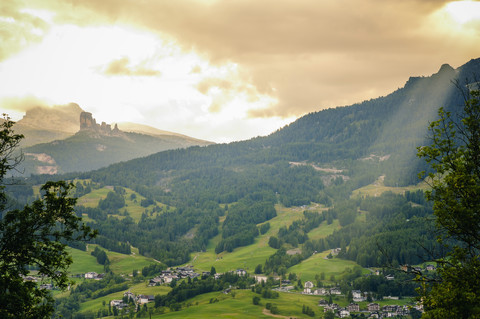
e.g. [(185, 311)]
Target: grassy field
[(141, 288), (132, 206), (83, 262), (317, 264), (247, 257), (241, 306), (378, 187), (324, 230), (91, 199), (122, 263)]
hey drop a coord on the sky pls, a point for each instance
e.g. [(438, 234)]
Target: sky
[(223, 70)]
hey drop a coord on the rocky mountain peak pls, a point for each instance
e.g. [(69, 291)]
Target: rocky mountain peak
[(88, 123)]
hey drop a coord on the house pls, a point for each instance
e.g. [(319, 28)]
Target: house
[(91, 275), (259, 278), (155, 281), (322, 303), (344, 313), (430, 268), (389, 277), (119, 304), (307, 291), (309, 284), (320, 291), (240, 272), (390, 308), (30, 278), (357, 295), (169, 278), (353, 307), (373, 307), (331, 307), (335, 291), (143, 299), (129, 295)]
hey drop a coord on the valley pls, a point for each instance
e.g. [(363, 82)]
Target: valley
[(329, 206)]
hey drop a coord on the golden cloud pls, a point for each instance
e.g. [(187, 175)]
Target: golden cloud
[(307, 54), (122, 67), (18, 28), (22, 104)]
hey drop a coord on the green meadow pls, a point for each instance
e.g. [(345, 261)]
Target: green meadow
[(132, 205), (378, 187), (240, 305), (247, 257), (318, 263), (83, 262), (138, 289), (122, 263), (324, 230)]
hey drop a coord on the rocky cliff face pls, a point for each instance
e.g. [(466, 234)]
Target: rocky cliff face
[(88, 123)]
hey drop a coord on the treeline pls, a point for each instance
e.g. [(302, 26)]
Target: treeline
[(162, 237), (297, 232), (191, 288), (403, 284), (397, 230), (239, 227)]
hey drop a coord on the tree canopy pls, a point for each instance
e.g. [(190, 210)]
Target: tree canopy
[(34, 238), (454, 157)]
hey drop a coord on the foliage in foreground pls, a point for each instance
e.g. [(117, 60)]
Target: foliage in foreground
[(34, 237), (454, 155)]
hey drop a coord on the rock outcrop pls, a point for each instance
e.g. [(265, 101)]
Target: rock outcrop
[(88, 123)]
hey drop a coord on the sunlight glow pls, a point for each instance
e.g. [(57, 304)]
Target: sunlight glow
[(463, 11)]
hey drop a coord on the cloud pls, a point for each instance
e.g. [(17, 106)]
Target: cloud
[(305, 54), (122, 67), (19, 28), (21, 104)]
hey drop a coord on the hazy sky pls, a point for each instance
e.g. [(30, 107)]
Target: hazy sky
[(223, 70)]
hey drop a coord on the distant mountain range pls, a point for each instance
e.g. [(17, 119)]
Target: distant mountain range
[(56, 143)]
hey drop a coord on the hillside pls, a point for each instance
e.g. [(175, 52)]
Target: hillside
[(307, 201), (45, 124), (321, 158), (90, 147)]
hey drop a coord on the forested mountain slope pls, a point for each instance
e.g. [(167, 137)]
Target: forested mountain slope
[(321, 158), (390, 127)]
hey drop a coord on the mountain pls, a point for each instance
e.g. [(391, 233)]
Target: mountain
[(46, 124), (229, 191), (75, 142), (381, 133), (320, 158)]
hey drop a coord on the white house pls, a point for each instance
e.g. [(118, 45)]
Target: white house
[(91, 275), (344, 313), (240, 272), (259, 278), (320, 291), (335, 291), (309, 284)]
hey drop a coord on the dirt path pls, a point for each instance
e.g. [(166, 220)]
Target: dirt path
[(267, 312)]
